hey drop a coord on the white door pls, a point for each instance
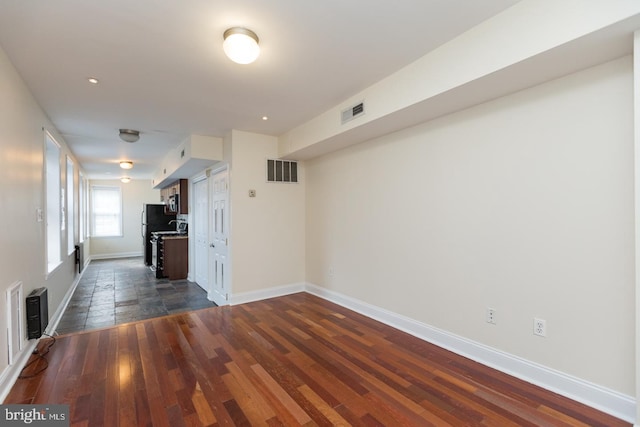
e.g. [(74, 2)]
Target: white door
[(218, 253), (201, 233)]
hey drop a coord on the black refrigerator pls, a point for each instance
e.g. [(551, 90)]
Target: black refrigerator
[(154, 219)]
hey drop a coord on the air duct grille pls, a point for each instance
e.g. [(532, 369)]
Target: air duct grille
[(15, 325), (282, 170), (352, 112)]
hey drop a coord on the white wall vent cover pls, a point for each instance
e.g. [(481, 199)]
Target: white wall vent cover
[(352, 112), (282, 170), (15, 325)]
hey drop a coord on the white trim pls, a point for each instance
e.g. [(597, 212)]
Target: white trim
[(601, 398), (55, 318), (92, 213), (218, 167), (117, 255), (51, 265), (212, 294), (612, 402), (13, 353), (10, 375), (636, 168), (199, 177), (598, 397), (261, 294)]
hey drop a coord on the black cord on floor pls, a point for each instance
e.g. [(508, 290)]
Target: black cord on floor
[(40, 355)]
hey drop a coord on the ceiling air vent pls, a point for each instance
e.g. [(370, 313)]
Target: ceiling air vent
[(352, 112)]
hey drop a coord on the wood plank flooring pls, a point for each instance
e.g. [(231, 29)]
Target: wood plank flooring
[(294, 360)]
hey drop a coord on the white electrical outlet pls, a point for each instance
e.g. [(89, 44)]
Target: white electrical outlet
[(491, 315), (540, 327)]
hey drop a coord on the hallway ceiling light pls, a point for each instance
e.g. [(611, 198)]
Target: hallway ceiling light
[(129, 135), (125, 164), (241, 45), (125, 179)]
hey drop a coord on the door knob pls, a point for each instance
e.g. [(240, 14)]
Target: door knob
[(212, 245)]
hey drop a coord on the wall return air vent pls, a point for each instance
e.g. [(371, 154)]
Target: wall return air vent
[(352, 113), (282, 170)]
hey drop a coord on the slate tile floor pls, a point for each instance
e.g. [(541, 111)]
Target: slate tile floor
[(111, 292)]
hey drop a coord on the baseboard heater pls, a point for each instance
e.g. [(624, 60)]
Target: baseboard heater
[(80, 256), (37, 313)]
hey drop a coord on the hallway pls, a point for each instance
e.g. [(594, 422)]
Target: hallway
[(116, 291)]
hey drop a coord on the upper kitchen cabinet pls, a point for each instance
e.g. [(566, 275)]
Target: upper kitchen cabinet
[(176, 197), (193, 155)]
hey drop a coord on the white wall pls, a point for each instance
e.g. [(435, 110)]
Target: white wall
[(528, 43), (268, 231), (134, 194), (523, 204), (21, 175)]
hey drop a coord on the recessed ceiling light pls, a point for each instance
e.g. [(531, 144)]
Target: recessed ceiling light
[(265, 118), (125, 164), (93, 80)]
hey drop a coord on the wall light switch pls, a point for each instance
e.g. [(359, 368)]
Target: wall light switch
[(39, 217)]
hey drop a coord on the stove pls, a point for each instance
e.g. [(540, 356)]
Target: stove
[(157, 247), (168, 233)]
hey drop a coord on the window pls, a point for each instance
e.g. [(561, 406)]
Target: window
[(70, 210), (82, 208), (53, 203), (106, 211)]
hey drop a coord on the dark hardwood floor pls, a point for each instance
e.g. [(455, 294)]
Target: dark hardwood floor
[(294, 360)]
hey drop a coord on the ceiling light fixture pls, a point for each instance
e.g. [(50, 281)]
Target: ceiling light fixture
[(93, 80), (129, 135), (125, 164), (241, 45), (125, 179)]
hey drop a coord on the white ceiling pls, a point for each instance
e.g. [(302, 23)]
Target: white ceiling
[(162, 70)]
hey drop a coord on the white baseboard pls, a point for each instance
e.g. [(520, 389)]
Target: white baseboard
[(57, 315), (279, 291), (12, 372), (614, 403), (10, 375), (601, 398), (117, 255)]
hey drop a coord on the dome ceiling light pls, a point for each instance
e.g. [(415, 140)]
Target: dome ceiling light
[(129, 135), (125, 164), (125, 179), (241, 45)]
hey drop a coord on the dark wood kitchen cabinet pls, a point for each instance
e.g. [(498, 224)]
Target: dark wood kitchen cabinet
[(179, 189), (176, 257)]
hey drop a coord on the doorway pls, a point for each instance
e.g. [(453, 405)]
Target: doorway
[(201, 232), (219, 232)]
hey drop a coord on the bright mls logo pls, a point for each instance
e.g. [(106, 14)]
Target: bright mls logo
[(34, 415)]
